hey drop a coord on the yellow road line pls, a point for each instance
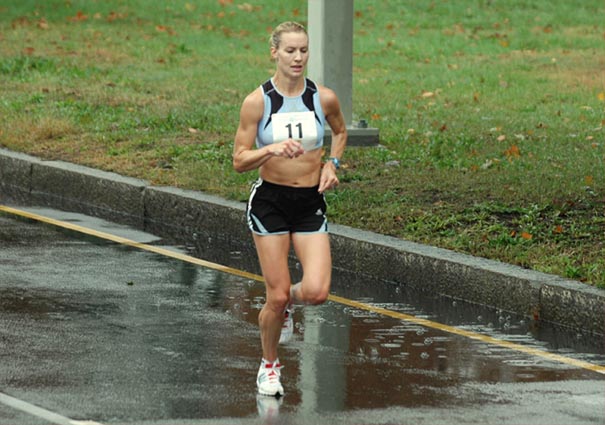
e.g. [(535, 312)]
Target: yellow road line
[(345, 301), (472, 335), (128, 242)]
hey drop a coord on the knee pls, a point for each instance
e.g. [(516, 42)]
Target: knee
[(317, 299), (277, 301), (316, 295)]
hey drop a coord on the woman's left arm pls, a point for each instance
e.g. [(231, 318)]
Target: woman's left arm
[(334, 116)]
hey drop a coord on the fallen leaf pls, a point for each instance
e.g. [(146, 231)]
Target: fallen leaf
[(501, 138), (113, 16), (513, 152), (247, 7), (163, 28), (487, 164), (558, 229), (42, 24), (526, 236), (428, 94), (193, 130), (601, 97), (79, 17), (588, 180)]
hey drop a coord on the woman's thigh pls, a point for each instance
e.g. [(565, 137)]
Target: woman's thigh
[(313, 252)]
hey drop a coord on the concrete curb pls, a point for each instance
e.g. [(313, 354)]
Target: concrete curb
[(212, 225)]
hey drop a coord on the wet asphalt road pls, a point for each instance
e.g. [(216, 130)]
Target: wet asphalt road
[(91, 330)]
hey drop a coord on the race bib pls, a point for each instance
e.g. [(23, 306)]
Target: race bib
[(295, 125)]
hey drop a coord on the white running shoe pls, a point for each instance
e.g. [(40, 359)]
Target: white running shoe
[(267, 379), (287, 328)]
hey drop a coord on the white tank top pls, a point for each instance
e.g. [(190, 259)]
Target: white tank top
[(300, 117)]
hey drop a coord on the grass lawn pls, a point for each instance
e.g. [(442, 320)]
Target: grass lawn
[(490, 112)]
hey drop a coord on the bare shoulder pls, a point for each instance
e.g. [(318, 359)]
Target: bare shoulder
[(329, 100), (326, 94), (254, 102)]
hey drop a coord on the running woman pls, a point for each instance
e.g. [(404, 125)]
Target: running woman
[(280, 133)]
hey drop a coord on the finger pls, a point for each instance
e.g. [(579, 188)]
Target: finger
[(322, 187)]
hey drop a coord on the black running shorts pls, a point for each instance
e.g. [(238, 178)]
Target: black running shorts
[(274, 209)]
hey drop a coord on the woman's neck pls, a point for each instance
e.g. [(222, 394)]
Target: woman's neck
[(289, 86)]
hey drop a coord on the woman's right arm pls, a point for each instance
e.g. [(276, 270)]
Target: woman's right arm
[(245, 157)]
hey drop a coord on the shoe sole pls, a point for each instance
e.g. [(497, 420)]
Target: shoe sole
[(277, 394), (285, 339)]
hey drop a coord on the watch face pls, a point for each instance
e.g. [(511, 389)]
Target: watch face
[(336, 162)]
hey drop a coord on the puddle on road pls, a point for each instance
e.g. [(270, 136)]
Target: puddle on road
[(349, 358)]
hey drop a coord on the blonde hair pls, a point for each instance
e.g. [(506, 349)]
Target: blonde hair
[(289, 26)]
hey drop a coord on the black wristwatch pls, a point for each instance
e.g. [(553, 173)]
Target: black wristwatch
[(335, 161)]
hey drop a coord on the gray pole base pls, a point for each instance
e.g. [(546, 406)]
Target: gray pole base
[(357, 136)]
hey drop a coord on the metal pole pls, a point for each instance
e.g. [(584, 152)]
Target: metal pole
[(330, 30), (331, 47)]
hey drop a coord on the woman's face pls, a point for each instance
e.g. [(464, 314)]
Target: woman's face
[(292, 54)]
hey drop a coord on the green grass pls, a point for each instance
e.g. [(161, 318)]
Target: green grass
[(490, 112)]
